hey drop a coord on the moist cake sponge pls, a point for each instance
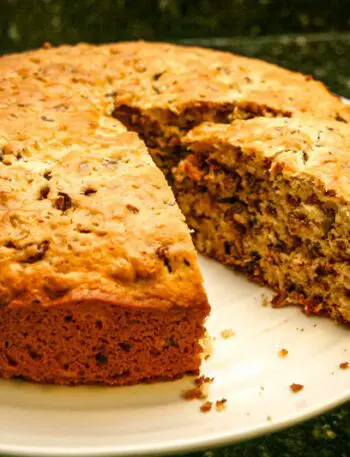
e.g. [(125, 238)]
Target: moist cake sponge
[(99, 281), (270, 197)]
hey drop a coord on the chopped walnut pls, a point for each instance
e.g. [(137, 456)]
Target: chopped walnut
[(295, 388), (206, 407)]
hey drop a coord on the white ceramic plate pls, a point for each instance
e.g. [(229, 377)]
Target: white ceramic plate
[(46, 420)]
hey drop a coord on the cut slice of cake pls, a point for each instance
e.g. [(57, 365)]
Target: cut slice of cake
[(271, 198), (99, 281)]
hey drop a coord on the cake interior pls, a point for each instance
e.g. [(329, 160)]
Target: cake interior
[(164, 130), (282, 231), (92, 343)]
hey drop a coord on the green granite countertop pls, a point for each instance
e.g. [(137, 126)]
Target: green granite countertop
[(325, 436)]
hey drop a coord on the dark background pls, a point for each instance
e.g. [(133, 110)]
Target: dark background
[(312, 36)]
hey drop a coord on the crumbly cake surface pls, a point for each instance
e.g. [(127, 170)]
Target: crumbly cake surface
[(163, 90), (270, 197), (99, 279), (112, 258)]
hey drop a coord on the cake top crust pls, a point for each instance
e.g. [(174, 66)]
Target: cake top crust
[(159, 78), (85, 215), (301, 146), (84, 212)]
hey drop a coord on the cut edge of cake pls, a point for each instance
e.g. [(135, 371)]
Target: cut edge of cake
[(270, 198)]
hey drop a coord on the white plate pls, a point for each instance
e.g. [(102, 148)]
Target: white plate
[(46, 420)]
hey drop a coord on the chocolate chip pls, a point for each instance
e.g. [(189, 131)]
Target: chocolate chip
[(48, 175)]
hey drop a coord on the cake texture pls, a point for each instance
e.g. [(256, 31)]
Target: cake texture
[(171, 89), (99, 281), (270, 197), (163, 90)]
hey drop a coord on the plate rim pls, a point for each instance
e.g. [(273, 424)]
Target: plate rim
[(176, 446)]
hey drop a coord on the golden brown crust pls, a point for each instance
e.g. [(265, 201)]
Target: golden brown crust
[(115, 238), (174, 78), (86, 220), (67, 236), (162, 90)]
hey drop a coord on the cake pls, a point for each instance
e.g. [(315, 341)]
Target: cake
[(167, 90), (270, 197), (99, 280)]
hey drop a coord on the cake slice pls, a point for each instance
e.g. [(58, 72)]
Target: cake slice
[(270, 197), (99, 281)]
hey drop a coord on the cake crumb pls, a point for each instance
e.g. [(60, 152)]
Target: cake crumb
[(344, 365), (196, 393), (227, 333), (200, 392), (203, 380), (265, 300), (295, 388), (206, 407), (283, 353), (220, 405)]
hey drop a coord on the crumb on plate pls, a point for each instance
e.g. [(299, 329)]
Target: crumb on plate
[(265, 300), (220, 405), (283, 353), (227, 333), (203, 380), (295, 388), (344, 365), (206, 407), (194, 394)]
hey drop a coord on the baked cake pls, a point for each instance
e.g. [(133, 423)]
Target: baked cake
[(99, 281), (168, 89), (270, 197), (163, 90)]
